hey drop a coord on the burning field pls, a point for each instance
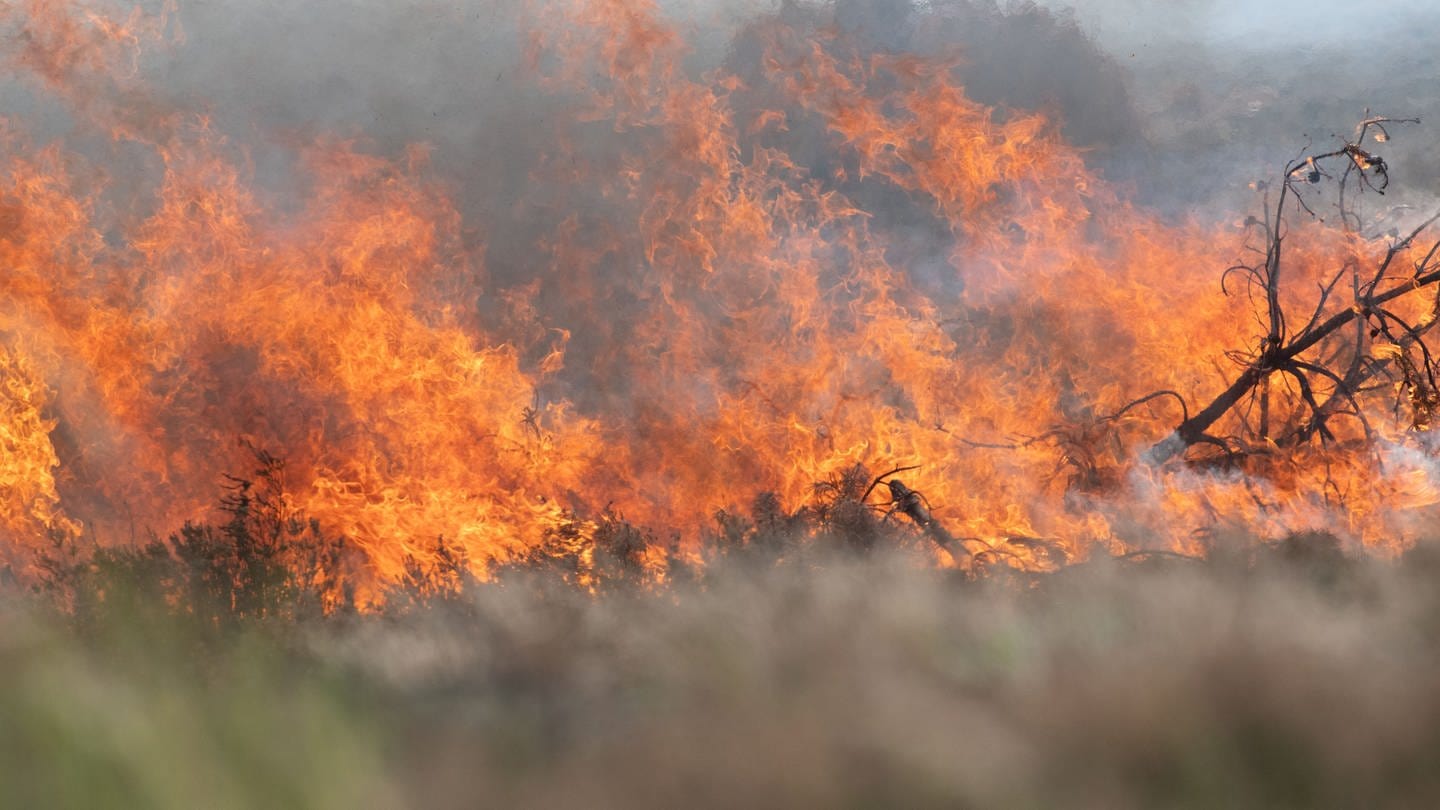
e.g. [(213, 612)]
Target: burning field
[(321, 316), (688, 283)]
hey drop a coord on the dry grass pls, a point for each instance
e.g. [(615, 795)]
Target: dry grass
[(1298, 679)]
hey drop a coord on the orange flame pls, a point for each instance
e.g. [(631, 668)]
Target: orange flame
[(709, 316)]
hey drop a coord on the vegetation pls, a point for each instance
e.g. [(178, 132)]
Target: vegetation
[(813, 659)]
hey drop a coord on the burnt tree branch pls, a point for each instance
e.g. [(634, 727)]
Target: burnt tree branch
[(1282, 352)]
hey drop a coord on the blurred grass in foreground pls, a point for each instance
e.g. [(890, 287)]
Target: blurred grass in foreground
[(148, 710), (1291, 677)]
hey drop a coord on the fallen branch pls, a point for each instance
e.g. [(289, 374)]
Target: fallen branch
[(1282, 352)]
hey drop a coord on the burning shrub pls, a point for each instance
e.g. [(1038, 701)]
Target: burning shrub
[(265, 563)]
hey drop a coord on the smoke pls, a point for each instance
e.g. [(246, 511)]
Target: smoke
[(1188, 99), (1275, 26), (1230, 90)]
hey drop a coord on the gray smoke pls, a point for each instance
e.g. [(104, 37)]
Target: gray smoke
[(1189, 99), (1229, 90)]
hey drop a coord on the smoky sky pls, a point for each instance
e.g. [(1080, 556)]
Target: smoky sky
[(1187, 99), (1274, 25), (1230, 89)]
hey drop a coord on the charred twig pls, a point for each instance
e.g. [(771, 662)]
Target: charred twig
[(1061, 433), (912, 504), (530, 417), (881, 477)]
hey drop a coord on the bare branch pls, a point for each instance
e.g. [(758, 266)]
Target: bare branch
[(1281, 352)]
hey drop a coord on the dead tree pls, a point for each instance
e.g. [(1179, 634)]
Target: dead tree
[(1351, 346)]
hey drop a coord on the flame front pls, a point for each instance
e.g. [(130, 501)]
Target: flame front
[(706, 311)]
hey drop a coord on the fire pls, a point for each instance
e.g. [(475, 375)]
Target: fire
[(707, 312)]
